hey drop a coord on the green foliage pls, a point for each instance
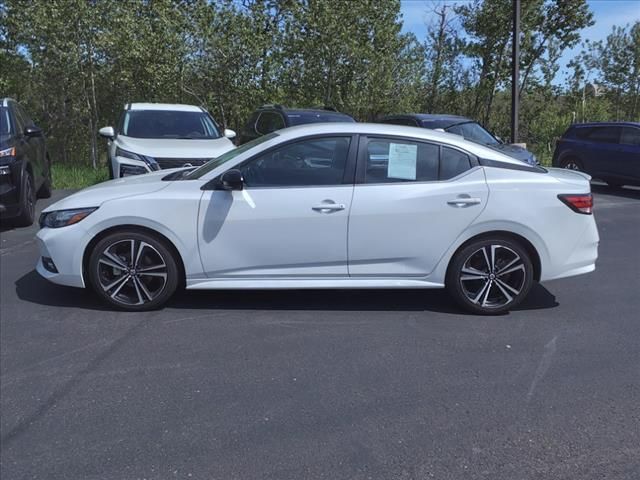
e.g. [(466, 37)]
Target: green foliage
[(76, 176), (75, 63)]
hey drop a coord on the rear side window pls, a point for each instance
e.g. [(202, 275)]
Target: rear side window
[(397, 161), (401, 121), (269, 122), (630, 136), (453, 163)]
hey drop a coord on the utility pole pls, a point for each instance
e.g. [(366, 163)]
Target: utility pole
[(515, 72)]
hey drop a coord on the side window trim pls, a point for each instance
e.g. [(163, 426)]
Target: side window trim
[(361, 167), (349, 169)]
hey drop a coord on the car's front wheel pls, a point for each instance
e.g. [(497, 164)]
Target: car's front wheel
[(490, 275), (133, 270)]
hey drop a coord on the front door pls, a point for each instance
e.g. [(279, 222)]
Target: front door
[(289, 221)]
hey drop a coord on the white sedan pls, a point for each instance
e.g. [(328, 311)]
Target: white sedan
[(328, 206)]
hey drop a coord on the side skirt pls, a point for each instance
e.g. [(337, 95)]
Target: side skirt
[(297, 283)]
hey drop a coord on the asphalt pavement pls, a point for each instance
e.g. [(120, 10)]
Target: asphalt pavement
[(325, 384)]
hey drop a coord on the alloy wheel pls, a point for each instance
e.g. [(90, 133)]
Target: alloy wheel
[(493, 276), (132, 272)]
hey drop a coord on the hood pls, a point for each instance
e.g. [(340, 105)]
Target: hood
[(516, 152), (175, 148), (96, 195)]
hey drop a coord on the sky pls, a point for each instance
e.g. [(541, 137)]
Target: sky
[(606, 14)]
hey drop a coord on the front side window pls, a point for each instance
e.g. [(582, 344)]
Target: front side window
[(474, 132), (225, 157), (397, 161), (604, 134), (269, 122), (630, 136), (169, 124), (312, 162)]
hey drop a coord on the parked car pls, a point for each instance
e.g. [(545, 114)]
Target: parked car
[(154, 136), (25, 166), (608, 151), (464, 127), (269, 118), (308, 207)]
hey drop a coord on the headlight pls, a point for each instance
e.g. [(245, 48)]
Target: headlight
[(153, 165), (8, 152), (7, 155), (63, 218)]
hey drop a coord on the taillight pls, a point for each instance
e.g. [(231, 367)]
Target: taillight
[(578, 202)]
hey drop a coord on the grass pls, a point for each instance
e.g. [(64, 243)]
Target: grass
[(77, 176)]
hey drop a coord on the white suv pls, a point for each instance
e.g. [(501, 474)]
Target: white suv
[(154, 136)]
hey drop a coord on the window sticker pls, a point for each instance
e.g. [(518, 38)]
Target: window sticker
[(402, 161)]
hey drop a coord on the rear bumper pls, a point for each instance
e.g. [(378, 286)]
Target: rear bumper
[(582, 257)]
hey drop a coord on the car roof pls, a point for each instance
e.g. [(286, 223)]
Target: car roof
[(174, 107), (293, 111), (383, 129), (432, 120), (604, 124)]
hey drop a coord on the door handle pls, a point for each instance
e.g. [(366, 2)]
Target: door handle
[(328, 207), (464, 202)]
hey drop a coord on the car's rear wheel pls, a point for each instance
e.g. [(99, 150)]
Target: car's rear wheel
[(572, 164), (133, 271), (27, 201), (490, 275)]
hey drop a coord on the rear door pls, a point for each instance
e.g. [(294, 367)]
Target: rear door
[(411, 200), (601, 152), (630, 153)]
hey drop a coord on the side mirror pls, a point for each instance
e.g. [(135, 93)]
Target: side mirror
[(231, 180), (32, 131), (107, 132), (229, 133)]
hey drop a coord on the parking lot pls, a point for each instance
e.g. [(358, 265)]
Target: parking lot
[(326, 384)]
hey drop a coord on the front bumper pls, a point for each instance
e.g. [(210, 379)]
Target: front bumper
[(10, 181), (65, 247)]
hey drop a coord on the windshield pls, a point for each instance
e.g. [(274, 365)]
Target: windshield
[(5, 123), (169, 124), (225, 157), (474, 132), (317, 117)]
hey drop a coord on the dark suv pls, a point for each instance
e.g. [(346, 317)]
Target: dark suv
[(25, 171), (465, 127), (608, 151), (270, 118)]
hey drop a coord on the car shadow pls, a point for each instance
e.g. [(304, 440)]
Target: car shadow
[(624, 192), (35, 289)]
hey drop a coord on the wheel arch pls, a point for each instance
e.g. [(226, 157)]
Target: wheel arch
[(521, 240), (135, 228)]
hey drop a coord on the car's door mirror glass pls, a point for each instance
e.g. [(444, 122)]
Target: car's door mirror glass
[(231, 180)]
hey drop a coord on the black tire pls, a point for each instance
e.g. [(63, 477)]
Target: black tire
[(47, 185), (27, 202), (482, 288), (572, 163), (121, 283)]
